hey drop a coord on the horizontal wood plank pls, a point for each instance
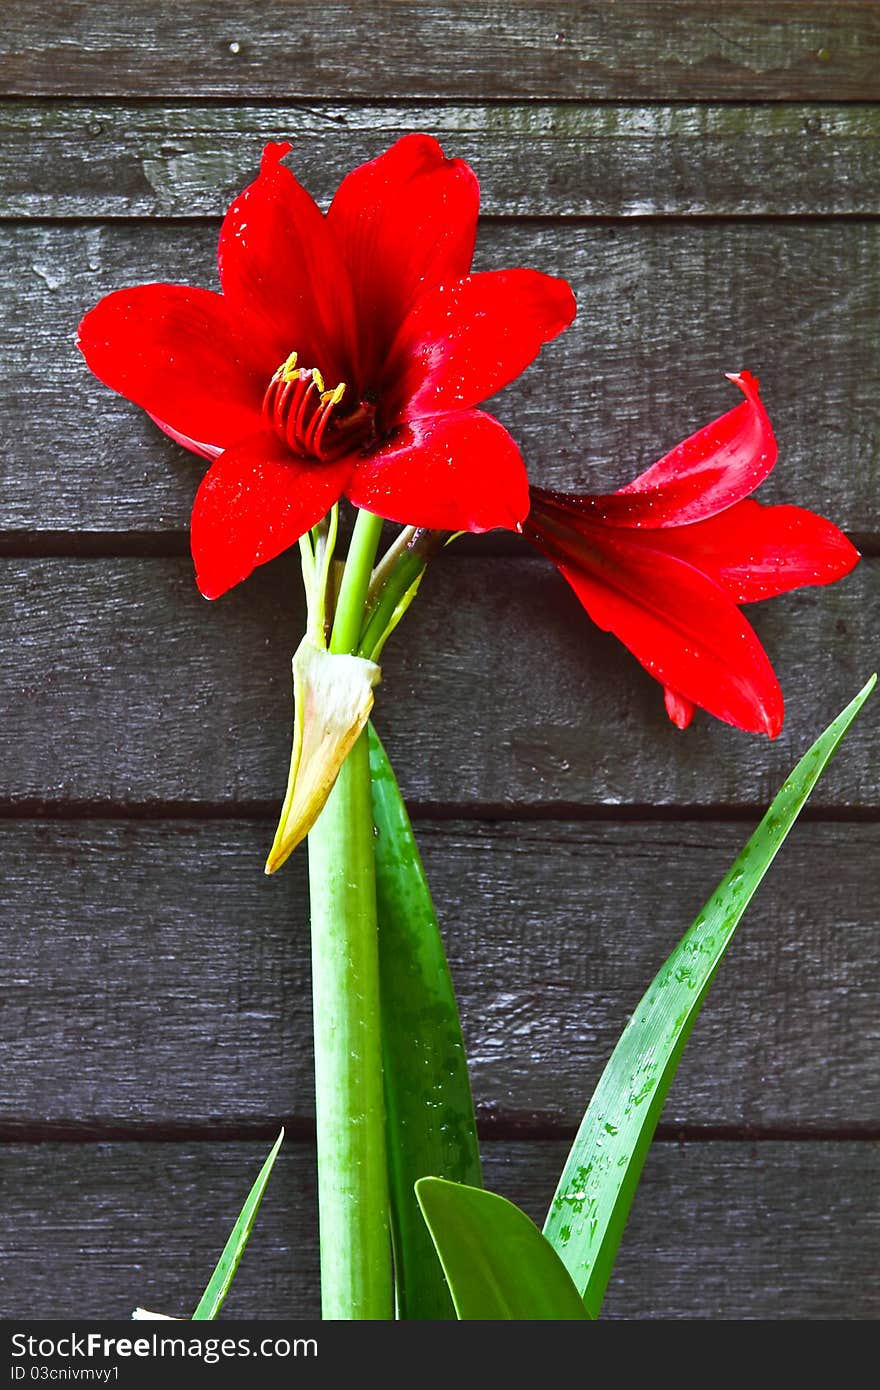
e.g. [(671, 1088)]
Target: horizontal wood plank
[(124, 687), (658, 50), (720, 1231), (665, 310), (81, 159), (152, 974)]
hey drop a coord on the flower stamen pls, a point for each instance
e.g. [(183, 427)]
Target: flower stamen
[(321, 419), (305, 414)]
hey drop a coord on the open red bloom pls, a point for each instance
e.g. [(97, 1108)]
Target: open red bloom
[(665, 562), (345, 356)]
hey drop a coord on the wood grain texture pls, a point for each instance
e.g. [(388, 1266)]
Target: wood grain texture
[(153, 975), (92, 1230), (547, 159), (665, 310), (124, 687), (658, 50)]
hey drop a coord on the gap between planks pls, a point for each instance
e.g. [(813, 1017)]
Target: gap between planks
[(165, 545), (266, 812), (498, 1129)]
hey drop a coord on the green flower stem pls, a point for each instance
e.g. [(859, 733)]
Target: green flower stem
[(356, 582), (393, 578), (356, 1281), (352, 1169), (383, 569), (406, 572)]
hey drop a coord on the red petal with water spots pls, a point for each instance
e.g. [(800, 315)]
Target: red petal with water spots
[(468, 338), (682, 626), (404, 223), (284, 276), (755, 551), (254, 502), (708, 472), (180, 354), (458, 472)]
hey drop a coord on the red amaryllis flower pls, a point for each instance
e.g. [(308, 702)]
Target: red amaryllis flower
[(664, 562), (345, 355)]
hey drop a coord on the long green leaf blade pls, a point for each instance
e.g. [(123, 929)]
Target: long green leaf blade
[(431, 1127), (219, 1284), (589, 1211), (498, 1265)]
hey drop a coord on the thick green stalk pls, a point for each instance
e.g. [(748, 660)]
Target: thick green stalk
[(355, 583), (356, 1281), (352, 1167)]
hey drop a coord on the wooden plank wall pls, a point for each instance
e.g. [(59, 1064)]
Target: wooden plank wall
[(707, 177)]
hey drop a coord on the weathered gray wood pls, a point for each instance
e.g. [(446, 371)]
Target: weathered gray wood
[(724, 1231), (653, 49), (80, 159), (718, 1230), (665, 310), (123, 686), (152, 973)]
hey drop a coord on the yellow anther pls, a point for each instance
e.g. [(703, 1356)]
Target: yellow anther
[(287, 370), (300, 409)]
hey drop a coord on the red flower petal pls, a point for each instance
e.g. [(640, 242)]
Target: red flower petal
[(283, 274), (719, 465), (466, 339), (754, 551), (254, 502), (680, 710), (682, 627), (458, 472), (195, 446), (179, 354), (405, 221)]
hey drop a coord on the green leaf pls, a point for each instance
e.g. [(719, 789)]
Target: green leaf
[(431, 1127), (497, 1263), (592, 1202), (219, 1284)]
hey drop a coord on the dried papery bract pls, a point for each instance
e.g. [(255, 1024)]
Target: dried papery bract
[(333, 696)]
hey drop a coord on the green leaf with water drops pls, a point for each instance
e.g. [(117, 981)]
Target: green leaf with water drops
[(431, 1127), (592, 1202), (498, 1265), (219, 1284)]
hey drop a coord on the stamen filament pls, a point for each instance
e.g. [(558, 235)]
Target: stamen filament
[(304, 414), (295, 423)]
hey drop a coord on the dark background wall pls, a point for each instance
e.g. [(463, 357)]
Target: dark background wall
[(706, 176)]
